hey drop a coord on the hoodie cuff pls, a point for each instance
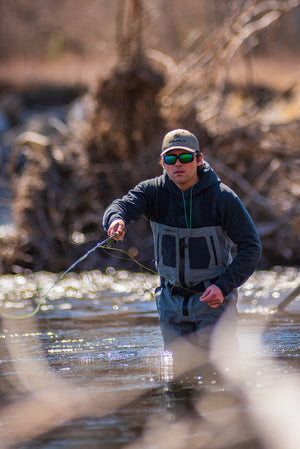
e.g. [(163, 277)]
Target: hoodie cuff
[(225, 289)]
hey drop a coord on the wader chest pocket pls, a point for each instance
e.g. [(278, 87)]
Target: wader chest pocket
[(199, 253), (169, 250)]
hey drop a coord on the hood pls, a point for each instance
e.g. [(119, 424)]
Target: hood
[(207, 177)]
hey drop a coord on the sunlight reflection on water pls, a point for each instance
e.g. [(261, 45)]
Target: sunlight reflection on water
[(96, 290)]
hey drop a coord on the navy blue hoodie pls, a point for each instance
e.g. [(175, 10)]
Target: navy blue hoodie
[(209, 203)]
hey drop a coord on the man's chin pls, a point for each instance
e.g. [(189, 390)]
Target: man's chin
[(179, 177)]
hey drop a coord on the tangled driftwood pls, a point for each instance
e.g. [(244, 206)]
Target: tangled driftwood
[(60, 193), (262, 164)]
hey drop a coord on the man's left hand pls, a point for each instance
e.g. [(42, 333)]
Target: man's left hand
[(213, 296)]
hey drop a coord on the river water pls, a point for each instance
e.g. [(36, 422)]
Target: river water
[(88, 370)]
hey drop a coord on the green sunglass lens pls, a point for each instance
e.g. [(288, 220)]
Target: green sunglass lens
[(186, 157), (170, 160)]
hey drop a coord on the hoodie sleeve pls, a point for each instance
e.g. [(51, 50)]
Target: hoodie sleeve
[(132, 206), (239, 226)]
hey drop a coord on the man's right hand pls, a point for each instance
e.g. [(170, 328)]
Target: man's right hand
[(117, 227)]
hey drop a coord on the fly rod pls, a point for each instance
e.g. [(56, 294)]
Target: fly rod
[(105, 243)]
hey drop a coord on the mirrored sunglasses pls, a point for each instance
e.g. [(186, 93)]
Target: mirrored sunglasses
[(184, 158)]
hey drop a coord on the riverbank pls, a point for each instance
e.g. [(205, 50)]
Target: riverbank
[(107, 118), (60, 115)]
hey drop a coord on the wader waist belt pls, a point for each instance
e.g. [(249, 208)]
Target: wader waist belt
[(186, 292)]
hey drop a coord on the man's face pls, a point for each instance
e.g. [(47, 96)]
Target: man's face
[(183, 175)]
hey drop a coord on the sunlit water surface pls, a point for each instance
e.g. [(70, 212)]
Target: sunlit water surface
[(100, 332)]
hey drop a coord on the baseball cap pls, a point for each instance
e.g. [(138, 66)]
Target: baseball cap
[(180, 139)]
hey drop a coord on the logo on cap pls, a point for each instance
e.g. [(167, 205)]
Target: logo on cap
[(177, 138)]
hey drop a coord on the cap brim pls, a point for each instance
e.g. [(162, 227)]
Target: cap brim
[(189, 150)]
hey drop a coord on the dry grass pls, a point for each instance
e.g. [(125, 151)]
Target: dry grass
[(279, 73), (69, 70), (273, 71)]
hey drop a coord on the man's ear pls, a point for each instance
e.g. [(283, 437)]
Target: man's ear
[(200, 159)]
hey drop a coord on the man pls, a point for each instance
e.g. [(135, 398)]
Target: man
[(196, 220)]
